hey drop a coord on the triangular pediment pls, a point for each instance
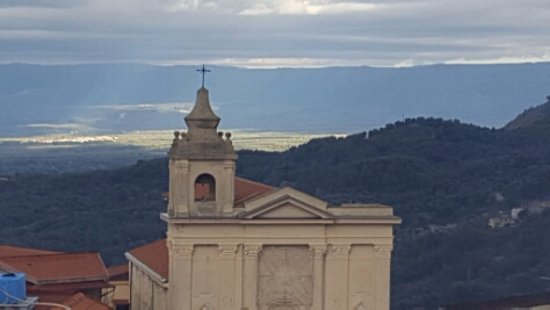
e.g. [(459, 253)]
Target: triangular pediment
[(286, 203)]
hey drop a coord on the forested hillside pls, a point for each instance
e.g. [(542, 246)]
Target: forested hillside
[(447, 180)]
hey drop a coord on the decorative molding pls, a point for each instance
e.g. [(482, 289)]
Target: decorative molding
[(229, 169), (318, 250), (360, 306), (228, 250), (252, 250), (383, 251), (181, 250), (286, 201), (181, 164), (340, 250)]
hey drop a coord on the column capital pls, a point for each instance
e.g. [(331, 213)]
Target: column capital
[(383, 250), (227, 250), (180, 250), (181, 164), (340, 250), (318, 250), (252, 250)]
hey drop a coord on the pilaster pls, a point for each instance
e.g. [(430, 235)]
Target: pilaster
[(181, 268), (250, 286), (382, 257), (178, 200), (229, 188), (226, 271), (318, 252), (336, 292)]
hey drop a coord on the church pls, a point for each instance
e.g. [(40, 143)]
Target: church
[(235, 244)]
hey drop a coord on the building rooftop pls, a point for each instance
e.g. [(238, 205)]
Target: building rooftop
[(9, 251), (246, 189), (118, 271), (57, 267), (154, 256)]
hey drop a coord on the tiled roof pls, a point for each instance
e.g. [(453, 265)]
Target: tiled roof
[(9, 250), (80, 301), (153, 255), (118, 272), (57, 268), (246, 189)]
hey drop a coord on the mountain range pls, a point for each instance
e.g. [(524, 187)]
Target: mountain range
[(92, 98)]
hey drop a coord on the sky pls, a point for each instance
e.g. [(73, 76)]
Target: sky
[(275, 33)]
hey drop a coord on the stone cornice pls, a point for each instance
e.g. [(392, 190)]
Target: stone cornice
[(375, 220)]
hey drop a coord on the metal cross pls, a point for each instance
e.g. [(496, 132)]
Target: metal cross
[(203, 70)]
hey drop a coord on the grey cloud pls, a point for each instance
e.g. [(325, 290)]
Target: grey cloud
[(41, 3), (187, 31), (169, 107)]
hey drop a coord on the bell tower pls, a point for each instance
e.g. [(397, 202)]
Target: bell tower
[(202, 165)]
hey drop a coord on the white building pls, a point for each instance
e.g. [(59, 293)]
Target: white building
[(237, 244)]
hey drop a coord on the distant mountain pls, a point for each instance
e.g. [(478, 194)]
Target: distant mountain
[(533, 116), (38, 99)]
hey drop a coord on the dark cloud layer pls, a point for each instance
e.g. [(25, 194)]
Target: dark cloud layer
[(274, 32)]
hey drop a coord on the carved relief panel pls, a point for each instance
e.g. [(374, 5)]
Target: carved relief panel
[(285, 278)]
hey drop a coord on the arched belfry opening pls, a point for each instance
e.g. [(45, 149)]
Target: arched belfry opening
[(205, 188)]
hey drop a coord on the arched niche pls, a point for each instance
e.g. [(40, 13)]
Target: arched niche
[(205, 188)]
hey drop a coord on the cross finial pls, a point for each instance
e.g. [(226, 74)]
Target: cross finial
[(203, 70)]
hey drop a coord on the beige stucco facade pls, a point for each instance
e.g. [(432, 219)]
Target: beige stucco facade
[(281, 249), (274, 262), (147, 293)]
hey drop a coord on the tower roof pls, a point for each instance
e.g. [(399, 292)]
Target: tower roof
[(202, 140), (202, 115)]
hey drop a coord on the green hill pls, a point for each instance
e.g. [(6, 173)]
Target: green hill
[(535, 116), (447, 180)]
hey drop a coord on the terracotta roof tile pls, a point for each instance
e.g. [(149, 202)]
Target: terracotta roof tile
[(245, 189), (53, 297), (79, 301), (119, 270), (57, 268), (154, 255), (9, 250)]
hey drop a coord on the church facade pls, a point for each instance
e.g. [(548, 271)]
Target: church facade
[(237, 244)]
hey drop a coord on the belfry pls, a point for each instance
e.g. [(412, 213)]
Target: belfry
[(237, 244), (202, 166)]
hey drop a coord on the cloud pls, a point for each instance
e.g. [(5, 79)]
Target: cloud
[(62, 127), (306, 7), (280, 32), (171, 107)]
